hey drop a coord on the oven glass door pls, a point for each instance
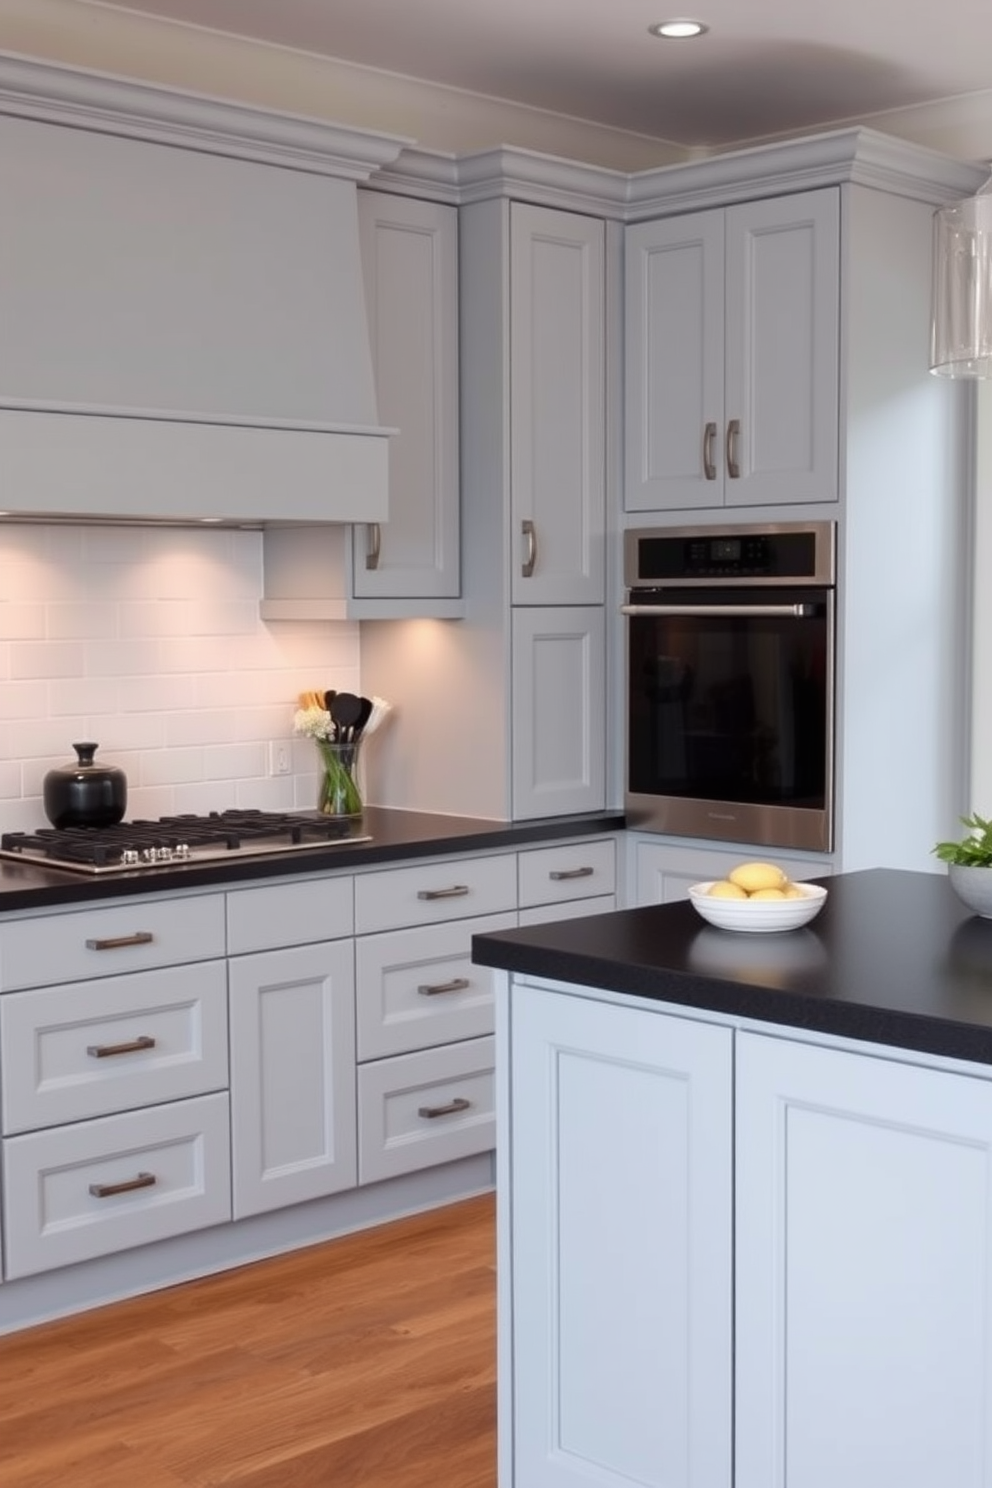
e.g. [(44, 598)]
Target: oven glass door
[(730, 704)]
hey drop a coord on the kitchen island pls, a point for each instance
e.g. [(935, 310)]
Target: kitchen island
[(745, 1189)]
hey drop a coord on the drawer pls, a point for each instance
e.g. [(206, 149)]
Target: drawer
[(543, 914), (70, 1053), (108, 940), (274, 916), (397, 1132), (419, 988), (426, 893), (102, 1186), (572, 870)]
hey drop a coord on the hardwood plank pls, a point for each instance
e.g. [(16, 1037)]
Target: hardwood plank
[(367, 1360)]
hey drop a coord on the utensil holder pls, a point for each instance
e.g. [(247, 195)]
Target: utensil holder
[(340, 788)]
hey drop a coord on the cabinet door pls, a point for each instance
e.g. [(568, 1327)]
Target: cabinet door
[(662, 872), (557, 406), (558, 709), (410, 262), (782, 349), (292, 1019), (674, 363), (620, 1206), (864, 1244)]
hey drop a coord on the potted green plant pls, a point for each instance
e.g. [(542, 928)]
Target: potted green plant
[(968, 862)]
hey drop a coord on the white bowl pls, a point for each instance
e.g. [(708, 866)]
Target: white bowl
[(759, 915)]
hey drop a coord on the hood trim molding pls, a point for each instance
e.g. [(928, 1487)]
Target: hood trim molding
[(76, 97)]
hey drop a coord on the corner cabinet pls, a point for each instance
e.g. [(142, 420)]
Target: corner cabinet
[(736, 1258), (732, 355)]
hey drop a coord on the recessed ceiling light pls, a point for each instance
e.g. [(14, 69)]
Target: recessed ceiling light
[(682, 27)]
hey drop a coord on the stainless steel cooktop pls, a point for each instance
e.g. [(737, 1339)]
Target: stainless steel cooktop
[(131, 846)]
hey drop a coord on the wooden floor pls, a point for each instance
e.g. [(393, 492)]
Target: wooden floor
[(369, 1360)]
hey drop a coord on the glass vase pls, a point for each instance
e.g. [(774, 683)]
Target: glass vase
[(339, 789)]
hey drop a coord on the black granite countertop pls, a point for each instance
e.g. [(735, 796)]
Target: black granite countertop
[(396, 837), (893, 957)]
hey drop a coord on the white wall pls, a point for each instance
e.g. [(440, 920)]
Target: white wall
[(148, 641)]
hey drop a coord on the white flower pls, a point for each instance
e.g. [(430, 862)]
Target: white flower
[(313, 723)]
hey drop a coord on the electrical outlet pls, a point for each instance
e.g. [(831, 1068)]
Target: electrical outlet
[(279, 757)]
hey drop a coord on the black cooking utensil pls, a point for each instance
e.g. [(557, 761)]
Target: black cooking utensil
[(344, 710), (365, 713)]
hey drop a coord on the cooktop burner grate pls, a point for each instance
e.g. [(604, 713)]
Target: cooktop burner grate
[(176, 839)]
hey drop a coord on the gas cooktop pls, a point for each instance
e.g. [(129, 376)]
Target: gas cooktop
[(134, 845)]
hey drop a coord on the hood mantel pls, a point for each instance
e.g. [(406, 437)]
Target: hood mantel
[(181, 290)]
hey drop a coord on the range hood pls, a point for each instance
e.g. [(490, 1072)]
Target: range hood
[(183, 308)]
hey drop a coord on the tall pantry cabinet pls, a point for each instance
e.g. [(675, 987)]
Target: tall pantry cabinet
[(509, 703)]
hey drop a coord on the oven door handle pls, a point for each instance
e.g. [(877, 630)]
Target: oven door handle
[(795, 611)]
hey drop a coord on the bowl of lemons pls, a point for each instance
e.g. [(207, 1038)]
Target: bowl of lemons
[(757, 897)]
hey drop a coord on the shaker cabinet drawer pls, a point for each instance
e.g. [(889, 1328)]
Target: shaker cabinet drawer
[(301, 912), (425, 1108), (426, 893), (72, 1052), (128, 935), (102, 1186), (580, 870), (419, 988)]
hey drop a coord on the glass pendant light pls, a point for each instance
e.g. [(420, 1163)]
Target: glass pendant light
[(961, 324)]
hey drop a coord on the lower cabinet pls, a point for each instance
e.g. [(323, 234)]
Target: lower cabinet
[(292, 1022), (738, 1258), (661, 872)]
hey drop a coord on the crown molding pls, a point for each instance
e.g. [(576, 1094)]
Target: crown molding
[(58, 94)]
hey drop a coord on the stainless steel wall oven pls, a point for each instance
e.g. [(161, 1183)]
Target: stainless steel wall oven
[(730, 682)]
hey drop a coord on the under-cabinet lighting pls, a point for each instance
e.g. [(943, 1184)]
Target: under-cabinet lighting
[(678, 29)]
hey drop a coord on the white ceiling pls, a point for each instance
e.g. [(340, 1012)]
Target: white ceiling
[(765, 68)]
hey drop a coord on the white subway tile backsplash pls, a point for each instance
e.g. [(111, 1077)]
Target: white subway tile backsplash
[(148, 640)]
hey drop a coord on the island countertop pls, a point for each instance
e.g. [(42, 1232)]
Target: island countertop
[(893, 958)]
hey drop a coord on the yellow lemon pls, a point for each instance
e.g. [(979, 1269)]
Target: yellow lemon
[(768, 894), (753, 876), (792, 891), (725, 890)]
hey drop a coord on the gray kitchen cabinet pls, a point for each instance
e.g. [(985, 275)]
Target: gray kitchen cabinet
[(732, 355), (660, 872), (557, 292), (410, 262)]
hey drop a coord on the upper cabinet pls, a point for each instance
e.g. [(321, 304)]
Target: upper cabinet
[(410, 263), (557, 406), (732, 355)]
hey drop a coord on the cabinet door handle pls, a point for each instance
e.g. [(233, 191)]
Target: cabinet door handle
[(458, 1104), (557, 874), (733, 439), (107, 1190), (104, 1051), (117, 942), (530, 533), (709, 440), (432, 989), (374, 545), (457, 891)]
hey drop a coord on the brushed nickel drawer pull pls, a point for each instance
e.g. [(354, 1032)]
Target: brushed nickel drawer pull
[(733, 439), (107, 1190), (104, 1051), (557, 874), (457, 891), (709, 439), (458, 1104), (530, 533), (374, 546), (116, 942), (431, 989)]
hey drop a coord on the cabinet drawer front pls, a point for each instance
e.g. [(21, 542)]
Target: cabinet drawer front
[(543, 914), (419, 988), (70, 1053), (576, 870), (288, 914), (102, 1186), (394, 1137), (428, 892), (111, 939)]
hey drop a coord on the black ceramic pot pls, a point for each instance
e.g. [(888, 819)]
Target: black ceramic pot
[(85, 794)]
